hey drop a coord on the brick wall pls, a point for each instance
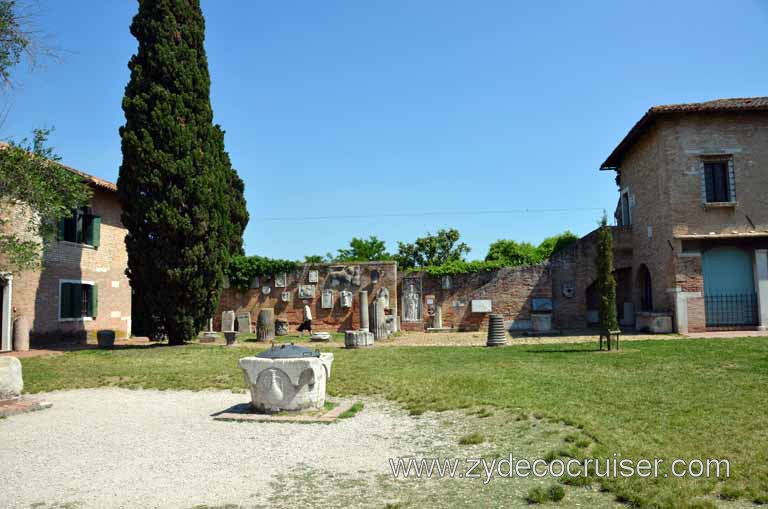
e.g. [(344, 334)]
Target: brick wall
[(337, 318), (510, 290), (36, 293)]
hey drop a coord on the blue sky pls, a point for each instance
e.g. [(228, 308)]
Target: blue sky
[(380, 108)]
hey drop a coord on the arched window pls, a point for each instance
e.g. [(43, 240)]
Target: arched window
[(646, 288)]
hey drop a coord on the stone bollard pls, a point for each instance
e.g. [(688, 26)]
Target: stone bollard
[(497, 335), (21, 334), (364, 325), (265, 326)]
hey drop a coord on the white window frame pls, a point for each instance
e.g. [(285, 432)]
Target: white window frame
[(78, 282)]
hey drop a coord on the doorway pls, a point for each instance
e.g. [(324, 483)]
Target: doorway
[(6, 328)]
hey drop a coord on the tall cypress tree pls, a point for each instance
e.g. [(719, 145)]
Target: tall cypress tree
[(182, 202), (606, 282)]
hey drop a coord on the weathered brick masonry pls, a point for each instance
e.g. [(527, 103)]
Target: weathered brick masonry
[(36, 293), (337, 318)]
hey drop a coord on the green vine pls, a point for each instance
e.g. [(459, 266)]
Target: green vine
[(242, 269), (461, 267)]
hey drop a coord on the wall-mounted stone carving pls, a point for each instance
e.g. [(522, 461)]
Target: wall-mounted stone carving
[(383, 294), (327, 299), (346, 299), (244, 322), (411, 300), (374, 276), (344, 277), (285, 296), (281, 280), (266, 289), (568, 288), (446, 282), (482, 305), (255, 282), (306, 291), (314, 276)]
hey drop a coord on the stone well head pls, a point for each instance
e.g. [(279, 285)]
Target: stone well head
[(287, 377)]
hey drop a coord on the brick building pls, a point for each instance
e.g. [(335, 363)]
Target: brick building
[(81, 286), (693, 183)]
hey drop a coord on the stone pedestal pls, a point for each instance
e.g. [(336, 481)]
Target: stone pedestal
[(287, 384), (21, 334), (364, 324), (11, 381), (265, 327), (437, 319), (358, 338), (541, 322), (228, 321)]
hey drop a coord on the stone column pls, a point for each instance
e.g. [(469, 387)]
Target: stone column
[(364, 325), (761, 285), (379, 320), (437, 320)]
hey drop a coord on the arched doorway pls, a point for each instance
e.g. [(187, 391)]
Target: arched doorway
[(645, 287)]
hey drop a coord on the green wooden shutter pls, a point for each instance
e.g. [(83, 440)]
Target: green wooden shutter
[(77, 300), (94, 231), (79, 227), (62, 229), (65, 306), (93, 300)]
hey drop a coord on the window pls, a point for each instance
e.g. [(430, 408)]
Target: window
[(626, 215), (78, 299), (82, 227), (717, 181)]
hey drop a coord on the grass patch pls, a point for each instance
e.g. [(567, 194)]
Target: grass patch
[(472, 439), (540, 494), (353, 410), (682, 398)]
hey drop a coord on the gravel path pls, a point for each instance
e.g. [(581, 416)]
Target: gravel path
[(120, 448)]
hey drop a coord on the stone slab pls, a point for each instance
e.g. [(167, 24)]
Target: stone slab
[(244, 413), (482, 306), (441, 329), (22, 406)]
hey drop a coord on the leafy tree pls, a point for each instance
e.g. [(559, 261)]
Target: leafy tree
[(606, 283), (17, 39), (33, 185), (443, 247), (362, 250), (314, 259), (182, 202), (552, 245), (513, 253)]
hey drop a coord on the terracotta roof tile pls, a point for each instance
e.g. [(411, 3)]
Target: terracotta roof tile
[(715, 106)]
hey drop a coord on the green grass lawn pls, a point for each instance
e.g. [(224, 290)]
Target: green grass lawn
[(703, 398)]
